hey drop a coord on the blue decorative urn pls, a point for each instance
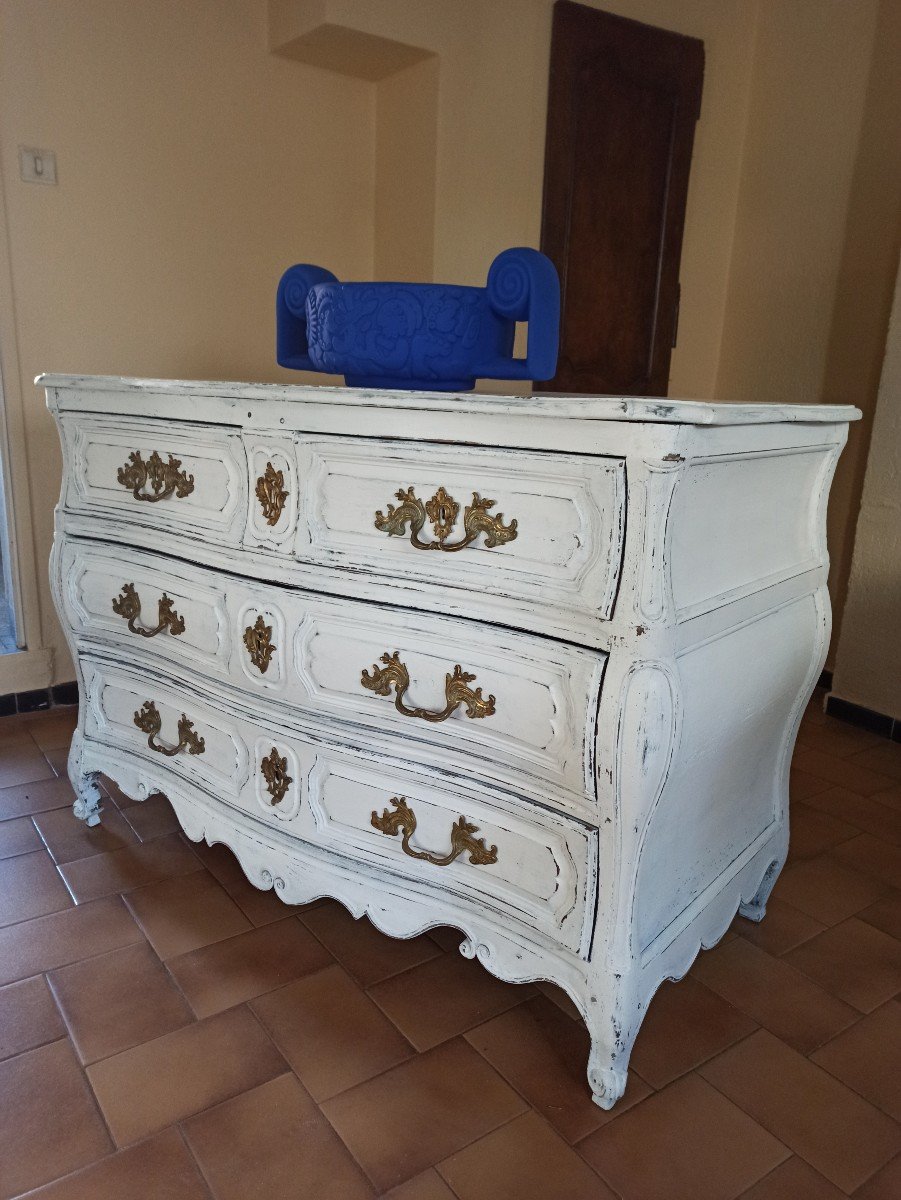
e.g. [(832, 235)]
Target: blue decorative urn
[(433, 336)]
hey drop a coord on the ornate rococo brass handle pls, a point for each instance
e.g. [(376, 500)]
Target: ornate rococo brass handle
[(149, 721), (128, 606), (165, 479), (403, 821), (456, 690), (442, 510)]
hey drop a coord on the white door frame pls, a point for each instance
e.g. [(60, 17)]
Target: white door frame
[(31, 667)]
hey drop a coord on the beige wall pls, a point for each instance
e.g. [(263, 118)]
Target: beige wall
[(817, 229), (866, 280), (194, 166), (868, 661), (196, 163), (406, 147)]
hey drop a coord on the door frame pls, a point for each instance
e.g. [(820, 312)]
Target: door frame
[(31, 666)]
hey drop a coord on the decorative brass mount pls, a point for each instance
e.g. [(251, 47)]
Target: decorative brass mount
[(456, 690), (442, 510), (128, 606), (149, 721), (165, 479), (258, 640), (403, 821), (271, 493), (275, 772)]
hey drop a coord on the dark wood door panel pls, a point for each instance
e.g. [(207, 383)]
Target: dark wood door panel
[(623, 102)]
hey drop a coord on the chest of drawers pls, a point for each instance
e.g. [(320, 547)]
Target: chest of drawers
[(529, 667)]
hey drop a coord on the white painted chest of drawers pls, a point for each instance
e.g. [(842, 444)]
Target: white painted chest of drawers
[(530, 667)]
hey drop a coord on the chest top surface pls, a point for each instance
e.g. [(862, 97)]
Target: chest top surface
[(292, 403)]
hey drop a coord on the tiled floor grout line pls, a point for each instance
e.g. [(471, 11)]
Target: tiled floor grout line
[(268, 1036), (459, 1033), (484, 1133), (70, 1041), (82, 1067), (452, 1191), (841, 1034), (347, 1150), (179, 1128), (71, 962), (736, 1104), (66, 885), (896, 1158), (360, 984), (503, 1125), (94, 1100), (165, 965), (762, 1179)]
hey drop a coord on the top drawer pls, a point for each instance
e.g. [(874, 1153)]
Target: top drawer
[(524, 538), (164, 476), (533, 536)]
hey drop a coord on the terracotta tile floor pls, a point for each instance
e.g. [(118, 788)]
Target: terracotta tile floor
[(166, 1030)]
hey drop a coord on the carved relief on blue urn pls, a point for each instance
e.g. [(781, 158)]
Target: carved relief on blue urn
[(433, 336)]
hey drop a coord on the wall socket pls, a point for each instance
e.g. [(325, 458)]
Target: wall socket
[(37, 166)]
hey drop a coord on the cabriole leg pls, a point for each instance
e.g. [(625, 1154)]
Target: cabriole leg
[(607, 1072), (755, 909), (608, 1061), (88, 797)]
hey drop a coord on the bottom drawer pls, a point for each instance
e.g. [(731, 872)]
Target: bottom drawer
[(524, 862)]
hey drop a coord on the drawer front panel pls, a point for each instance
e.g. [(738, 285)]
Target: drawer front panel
[(530, 865), (533, 701), (553, 534), (96, 578), (169, 477), (116, 697), (539, 869)]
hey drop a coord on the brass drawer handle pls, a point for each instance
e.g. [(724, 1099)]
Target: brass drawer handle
[(274, 769), (165, 479), (149, 721), (442, 511), (128, 606), (403, 821), (456, 690)]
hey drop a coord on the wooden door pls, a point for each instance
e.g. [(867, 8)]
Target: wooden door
[(622, 106)]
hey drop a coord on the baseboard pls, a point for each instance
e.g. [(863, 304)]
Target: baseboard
[(38, 700), (864, 718), (825, 680)]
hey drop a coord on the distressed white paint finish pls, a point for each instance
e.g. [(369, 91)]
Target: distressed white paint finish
[(651, 637)]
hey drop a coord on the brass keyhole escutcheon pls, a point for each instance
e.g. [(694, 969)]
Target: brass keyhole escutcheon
[(258, 640), (274, 769), (271, 493)]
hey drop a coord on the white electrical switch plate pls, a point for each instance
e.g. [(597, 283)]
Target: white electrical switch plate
[(37, 166)]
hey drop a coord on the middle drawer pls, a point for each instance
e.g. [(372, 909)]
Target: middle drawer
[(513, 709)]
